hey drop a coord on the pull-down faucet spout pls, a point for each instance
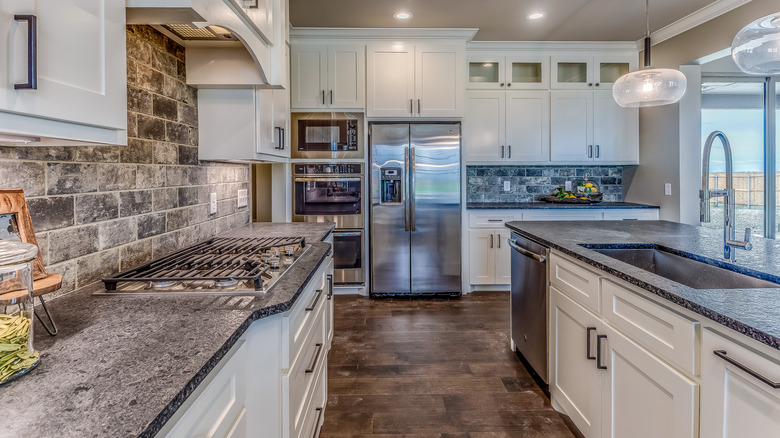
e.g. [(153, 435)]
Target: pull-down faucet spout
[(705, 194)]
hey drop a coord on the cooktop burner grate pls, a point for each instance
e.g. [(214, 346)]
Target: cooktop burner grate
[(224, 261)]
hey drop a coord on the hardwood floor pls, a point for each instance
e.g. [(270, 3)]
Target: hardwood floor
[(431, 368)]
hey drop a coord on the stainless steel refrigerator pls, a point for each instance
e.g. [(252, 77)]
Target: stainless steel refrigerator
[(415, 208)]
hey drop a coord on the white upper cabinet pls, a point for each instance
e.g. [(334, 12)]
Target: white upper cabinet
[(484, 126), (415, 80), (495, 71), (81, 75), (575, 71), (328, 76)]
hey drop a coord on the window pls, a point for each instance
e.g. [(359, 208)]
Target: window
[(740, 108)]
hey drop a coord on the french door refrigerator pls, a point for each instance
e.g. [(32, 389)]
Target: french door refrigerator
[(415, 208)]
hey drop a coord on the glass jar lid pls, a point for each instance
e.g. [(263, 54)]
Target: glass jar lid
[(13, 253)]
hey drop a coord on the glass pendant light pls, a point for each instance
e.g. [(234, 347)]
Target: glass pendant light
[(649, 86), (756, 48)]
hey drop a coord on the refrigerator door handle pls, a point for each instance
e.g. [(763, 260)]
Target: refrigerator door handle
[(411, 190), (406, 191)]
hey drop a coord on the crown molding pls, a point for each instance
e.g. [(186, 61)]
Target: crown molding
[(624, 46), (465, 34), (690, 21)]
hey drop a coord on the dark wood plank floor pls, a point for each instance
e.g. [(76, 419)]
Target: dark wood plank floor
[(431, 368)]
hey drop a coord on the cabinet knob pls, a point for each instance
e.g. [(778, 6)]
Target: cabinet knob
[(590, 84), (508, 84), (501, 84), (597, 84)]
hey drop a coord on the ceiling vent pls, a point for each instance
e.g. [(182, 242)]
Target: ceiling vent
[(189, 32)]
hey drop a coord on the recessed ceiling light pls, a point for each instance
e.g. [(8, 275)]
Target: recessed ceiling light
[(402, 15), (534, 15)]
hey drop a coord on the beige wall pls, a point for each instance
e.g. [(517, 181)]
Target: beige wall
[(663, 157)]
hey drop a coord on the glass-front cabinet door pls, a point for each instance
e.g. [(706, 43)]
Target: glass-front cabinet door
[(486, 71), (527, 72), (578, 72), (607, 69)]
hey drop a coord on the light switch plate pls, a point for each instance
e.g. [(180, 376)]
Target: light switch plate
[(507, 186), (213, 203), (242, 201), (668, 189), (567, 186)]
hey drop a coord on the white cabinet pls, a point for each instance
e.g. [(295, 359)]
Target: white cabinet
[(632, 214), (415, 79), (507, 126), (81, 77), (580, 71), (563, 215), (489, 256), (735, 402), (502, 71), (243, 124), (328, 76), (591, 126)]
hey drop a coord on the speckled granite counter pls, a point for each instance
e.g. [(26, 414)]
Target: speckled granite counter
[(753, 312), (549, 205), (121, 366)]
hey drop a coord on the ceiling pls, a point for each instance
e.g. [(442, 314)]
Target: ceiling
[(502, 20)]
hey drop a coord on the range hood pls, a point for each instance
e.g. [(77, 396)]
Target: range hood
[(229, 42)]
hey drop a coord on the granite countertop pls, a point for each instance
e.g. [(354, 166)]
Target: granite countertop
[(121, 366), (752, 312), (550, 205)]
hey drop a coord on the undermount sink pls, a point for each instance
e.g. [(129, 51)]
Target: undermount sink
[(682, 268)]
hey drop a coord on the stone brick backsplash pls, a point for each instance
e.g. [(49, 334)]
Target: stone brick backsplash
[(528, 183), (100, 209)]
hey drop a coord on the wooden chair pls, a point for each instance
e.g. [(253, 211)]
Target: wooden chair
[(15, 215)]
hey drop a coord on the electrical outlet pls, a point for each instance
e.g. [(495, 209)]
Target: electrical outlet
[(668, 189), (213, 203), (567, 186), (507, 186), (242, 201)]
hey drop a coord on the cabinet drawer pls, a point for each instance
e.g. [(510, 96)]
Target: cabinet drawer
[(315, 409), (299, 383), (491, 220), (578, 283), (655, 327), (300, 320), (631, 215)]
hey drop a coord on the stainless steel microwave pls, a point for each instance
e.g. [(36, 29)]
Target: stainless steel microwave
[(327, 135)]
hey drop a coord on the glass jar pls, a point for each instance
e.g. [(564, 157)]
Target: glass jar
[(17, 355)]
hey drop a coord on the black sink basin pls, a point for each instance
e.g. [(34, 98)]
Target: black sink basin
[(680, 267)]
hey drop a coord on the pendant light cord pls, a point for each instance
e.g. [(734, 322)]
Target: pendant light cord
[(647, 35)]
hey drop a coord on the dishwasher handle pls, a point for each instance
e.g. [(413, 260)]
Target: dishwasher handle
[(538, 257)]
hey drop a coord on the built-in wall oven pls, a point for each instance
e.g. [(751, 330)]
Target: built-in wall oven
[(334, 192), (327, 135)]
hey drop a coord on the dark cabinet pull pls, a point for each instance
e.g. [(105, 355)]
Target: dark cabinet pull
[(331, 97), (588, 354), (330, 286), (491, 240), (284, 138), (590, 151), (509, 148), (499, 240), (317, 423), (411, 106), (502, 151), (278, 137), (315, 360), (598, 352), (32, 52), (313, 304), (323, 97), (419, 107), (724, 355), (597, 151)]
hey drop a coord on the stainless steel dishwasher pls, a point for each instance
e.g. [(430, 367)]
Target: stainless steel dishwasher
[(529, 301)]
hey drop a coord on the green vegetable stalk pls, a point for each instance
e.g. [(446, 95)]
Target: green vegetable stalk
[(15, 355)]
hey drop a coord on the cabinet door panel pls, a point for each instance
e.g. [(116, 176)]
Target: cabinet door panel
[(227, 128), (265, 122), (346, 76), (615, 130), (439, 80), (642, 396), (735, 404), (575, 383), (571, 121), (309, 75), (81, 59), (484, 126), (503, 262), (390, 80), (481, 257), (571, 71), (528, 125)]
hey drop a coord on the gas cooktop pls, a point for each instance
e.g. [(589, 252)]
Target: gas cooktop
[(223, 266)]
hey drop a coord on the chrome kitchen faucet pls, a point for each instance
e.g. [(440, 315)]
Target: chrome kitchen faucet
[(705, 194)]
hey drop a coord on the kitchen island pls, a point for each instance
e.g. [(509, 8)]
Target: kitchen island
[(122, 366)]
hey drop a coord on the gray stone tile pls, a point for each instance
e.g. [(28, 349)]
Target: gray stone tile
[(176, 90), (50, 153), (51, 213), (176, 176), (151, 225), (163, 62), (197, 176), (166, 153), (151, 128), (132, 124), (164, 244), (199, 213), (151, 80), (176, 133), (67, 178), (165, 199), (132, 71), (188, 196), (193, 136), (117, 176), (139, 101), (27, 175), (99, 154), (132, 203), (68, 271), (95, 267), (118, 232), (188, 114), (176, 219), (137, 151), (72, 242), (149, 177), (96, 207), (188, 155), (165, 108), (43, 246), (135, 254)]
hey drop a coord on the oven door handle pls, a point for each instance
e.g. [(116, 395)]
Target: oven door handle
[(326, 179), (346, 234)]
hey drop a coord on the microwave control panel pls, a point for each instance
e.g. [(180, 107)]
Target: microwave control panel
[(328, 169)]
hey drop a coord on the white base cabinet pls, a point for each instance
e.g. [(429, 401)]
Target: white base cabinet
[(489, 258), (81, 90)]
